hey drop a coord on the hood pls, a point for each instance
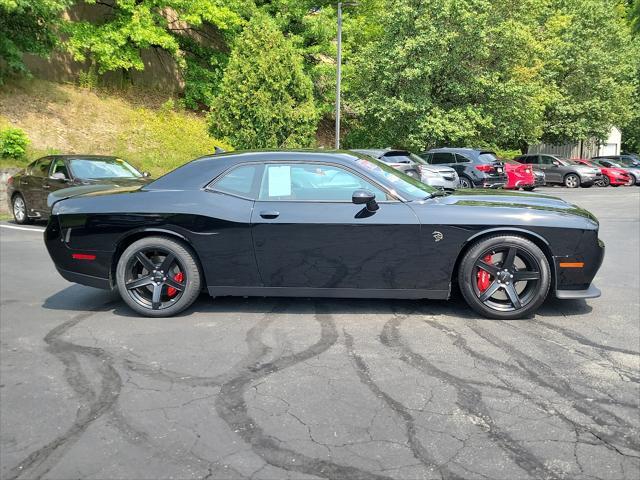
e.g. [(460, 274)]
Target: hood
[(509, 199), (586, 169)]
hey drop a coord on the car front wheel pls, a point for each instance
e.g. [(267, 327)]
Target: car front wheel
[(572, 181), (19, 209), (504, 277), (158, 276)]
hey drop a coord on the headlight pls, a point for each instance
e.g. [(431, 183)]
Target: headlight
[(428, 173)]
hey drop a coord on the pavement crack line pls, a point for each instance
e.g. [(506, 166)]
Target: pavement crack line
[(532, 369), (232, 407), (417, 448), (469, 399)]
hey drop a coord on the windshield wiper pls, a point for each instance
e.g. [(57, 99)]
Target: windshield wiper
[(438, 193)]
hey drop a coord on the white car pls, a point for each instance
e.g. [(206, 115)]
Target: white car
[(439, 176)]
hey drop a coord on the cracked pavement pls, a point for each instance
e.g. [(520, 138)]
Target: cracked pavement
[(321, 388)]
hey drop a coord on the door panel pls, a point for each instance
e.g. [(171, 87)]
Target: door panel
[(337, 245)]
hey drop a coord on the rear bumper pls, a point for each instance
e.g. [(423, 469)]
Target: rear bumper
[(591, 292), (88, 280)]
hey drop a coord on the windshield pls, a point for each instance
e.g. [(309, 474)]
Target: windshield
[(566, 162), (93, 168), (405, 186)]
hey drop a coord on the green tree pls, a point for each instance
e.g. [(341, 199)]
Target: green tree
[(27, 26), (590, 68), (266, 99), (174, 26), (455, 72)]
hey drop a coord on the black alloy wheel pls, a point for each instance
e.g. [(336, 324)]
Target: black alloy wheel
[(504, 277), (158, 276)]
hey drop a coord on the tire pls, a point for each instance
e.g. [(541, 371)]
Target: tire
[(466, 182), (571, 180), (528, 189), (155, 277), (586, 185), (530, 264), (19, 210)]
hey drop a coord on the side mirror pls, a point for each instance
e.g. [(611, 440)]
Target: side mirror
[(59, 176), (146, 174), (556, 163), (365, 197)]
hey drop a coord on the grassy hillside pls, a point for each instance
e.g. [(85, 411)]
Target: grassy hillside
[(144, 128)]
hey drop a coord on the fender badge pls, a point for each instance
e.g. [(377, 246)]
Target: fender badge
[(437, 236)]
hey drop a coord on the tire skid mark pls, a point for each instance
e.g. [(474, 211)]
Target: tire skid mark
[(584, 340), (469, 399), (418, 450), (600, 355), (233, 409), (39, 462), (462, 344), (534, 370)]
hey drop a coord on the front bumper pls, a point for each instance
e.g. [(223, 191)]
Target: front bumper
[(591, 292), (587, 178)]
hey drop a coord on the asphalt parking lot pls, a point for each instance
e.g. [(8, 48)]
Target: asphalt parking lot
[(298, 388)]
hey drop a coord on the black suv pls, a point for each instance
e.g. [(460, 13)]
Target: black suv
[(476, 168)]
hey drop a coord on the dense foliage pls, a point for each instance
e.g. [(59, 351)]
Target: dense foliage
[(26, 26), (13, 143), (266, 99), (417, 73)]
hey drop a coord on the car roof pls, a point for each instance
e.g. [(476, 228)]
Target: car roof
[(379, 152), (191, 174), (80, 156), (460, 150)]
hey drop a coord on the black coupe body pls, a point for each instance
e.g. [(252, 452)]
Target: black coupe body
[(330, 224)]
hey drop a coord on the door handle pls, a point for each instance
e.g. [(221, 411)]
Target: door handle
[(269, 214)]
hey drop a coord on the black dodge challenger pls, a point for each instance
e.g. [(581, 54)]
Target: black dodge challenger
[(320, 224)]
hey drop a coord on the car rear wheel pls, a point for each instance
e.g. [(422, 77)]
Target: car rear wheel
[(158, 276), (528, 189), (572, 181), (465, 183), (19, 209), (504, 277)]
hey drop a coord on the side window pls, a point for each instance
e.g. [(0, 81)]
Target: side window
[(428, 157), (532, 159), (59, 167), (31, 168), (443, 157), (240, 181), (41, 167), (546, 160), (462, 158), (312, 182)]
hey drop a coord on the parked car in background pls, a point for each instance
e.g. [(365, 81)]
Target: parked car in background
[(519, 176), (629, 166), (614, 176), (27, 190), (438, 176), (626, 159), (476, 168), (561, 170)]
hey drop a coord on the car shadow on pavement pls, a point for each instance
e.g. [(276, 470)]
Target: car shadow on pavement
[(81, 298)]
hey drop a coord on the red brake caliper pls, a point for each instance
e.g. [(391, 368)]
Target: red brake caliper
[(484, 279), (178, 277)]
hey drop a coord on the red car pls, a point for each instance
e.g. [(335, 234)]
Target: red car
[(610, 175), (519, 175)]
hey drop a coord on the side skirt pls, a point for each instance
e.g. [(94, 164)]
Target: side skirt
[(328, 292)]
